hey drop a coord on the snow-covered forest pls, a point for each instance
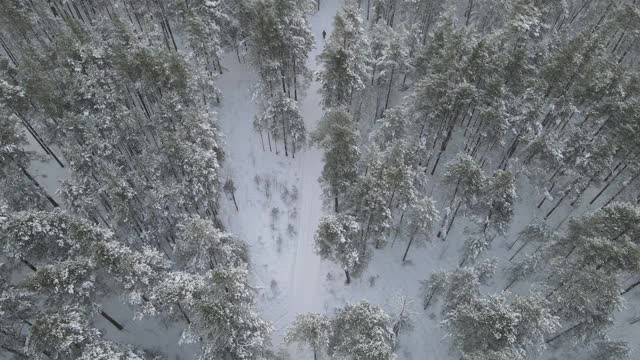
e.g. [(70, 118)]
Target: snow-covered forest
[(320, 179)]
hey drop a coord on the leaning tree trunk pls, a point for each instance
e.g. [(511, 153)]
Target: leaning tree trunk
[(39, 187), (406, 251), (233, 196), (386, 102)]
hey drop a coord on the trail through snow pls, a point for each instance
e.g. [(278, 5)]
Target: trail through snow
[(279, 198), (280, 204), (306, 291)]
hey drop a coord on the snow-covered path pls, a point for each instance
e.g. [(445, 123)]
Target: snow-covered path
[(290, 277), (279, 198), (306, 291)]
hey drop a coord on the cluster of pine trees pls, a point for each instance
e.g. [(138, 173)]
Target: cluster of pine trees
[(460, 116), (119, 93), (280, 38), (357, 331)]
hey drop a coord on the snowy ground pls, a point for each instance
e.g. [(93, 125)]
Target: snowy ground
[(279, 226), (279, 197), (280, 203)]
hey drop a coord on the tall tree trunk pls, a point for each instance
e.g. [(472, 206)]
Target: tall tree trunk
[(368, 8), (284, 137), (562, 333), (406, 251), (426, 304), (606, 186), (468, 13), (453, 218), (386, 102), (395, 237), (233, 196), (519, 249), (39, 187), (624, 186), (111, 320), (295, 76), (630, 287), (513, 281), (556, 205), (346, 273)]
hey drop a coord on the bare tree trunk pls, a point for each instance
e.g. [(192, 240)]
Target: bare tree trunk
[(453, 218), (468, 13), (368, 8), (284, 137), (395, 237), (111, 320), (186, 317), (518, 251), (426, 304), (386, 102), (295, 75), (513, 281), (556, 205), (233, 196), (406, 251), (39, 187), (630, 287), (346, 273), (562, 333)]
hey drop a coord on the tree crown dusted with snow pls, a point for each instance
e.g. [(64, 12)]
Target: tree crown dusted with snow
[(361, 332)]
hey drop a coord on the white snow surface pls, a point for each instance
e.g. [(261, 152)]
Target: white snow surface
[(291, 278), (280, 203)]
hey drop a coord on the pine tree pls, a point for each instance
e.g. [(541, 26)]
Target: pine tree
[(468, 181), (230, 188), (313, 330), (496, 208), (340, 141), (420, 218), (228, 308), (200, 246), (584, 290), (361, 331), (465, 177), (458, 287), (336, 239), (402, 315), (19, 187), (283, 116), (607, 350), (346, 60), (488, 325), (434, 286), (67, 334), (394, 60)]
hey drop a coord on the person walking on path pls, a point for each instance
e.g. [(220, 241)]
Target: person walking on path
[(324, 34)]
